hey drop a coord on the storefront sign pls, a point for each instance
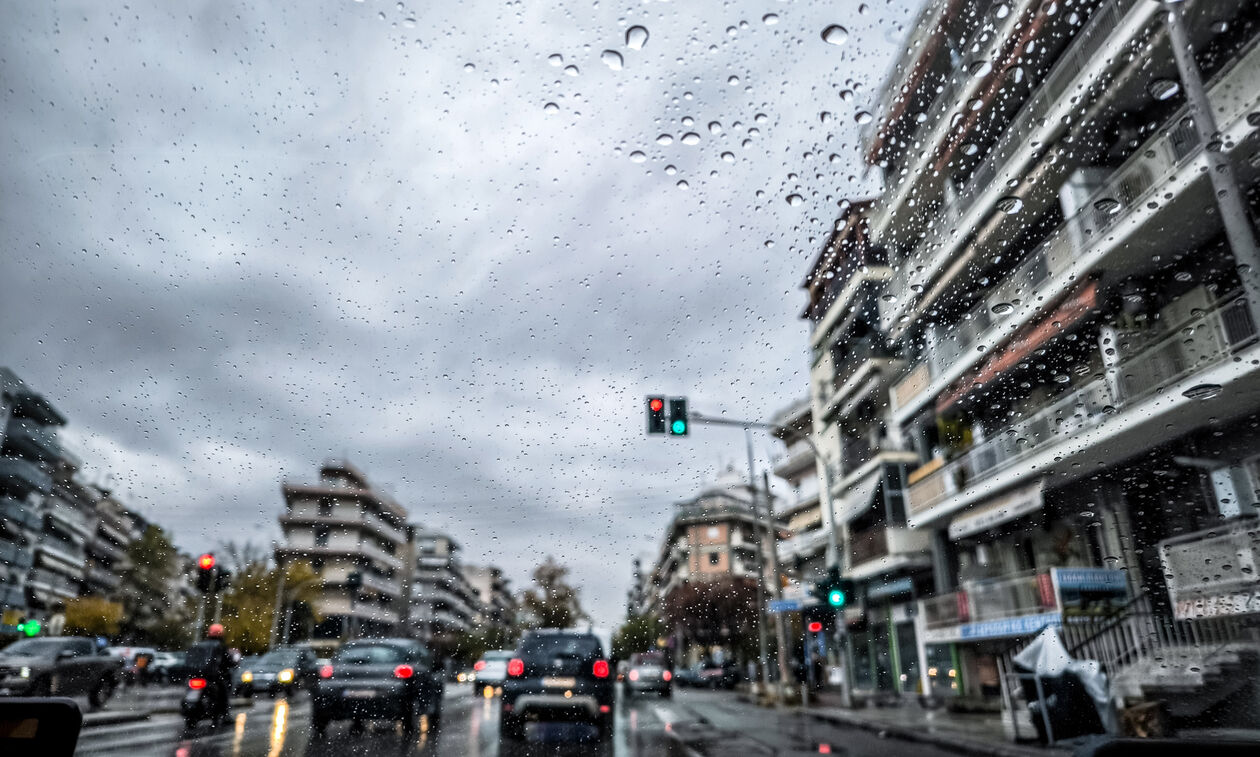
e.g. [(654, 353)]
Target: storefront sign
[(1001, 509), (1241, 603), (1023, 626), (1090, 579), (889, 589)]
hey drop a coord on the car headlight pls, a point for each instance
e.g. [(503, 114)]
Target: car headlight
[(247, 677), (285, 675), (460, 677), (24, 672)]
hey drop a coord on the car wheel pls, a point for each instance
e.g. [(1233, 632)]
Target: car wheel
[(667, 693), (101, 692), (319, 724), (411, 718)]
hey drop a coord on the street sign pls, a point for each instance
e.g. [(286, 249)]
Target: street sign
[(786, 605)]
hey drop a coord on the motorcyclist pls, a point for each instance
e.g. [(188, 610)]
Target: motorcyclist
[(210, 659)]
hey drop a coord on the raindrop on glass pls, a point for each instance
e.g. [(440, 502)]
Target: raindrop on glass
[(1010, 205), (691, 138), (636, 37), (665, 139), (770, 19), (638, 156), (1002, 308), (1202, 391), (835, 35), (612, 59), (863, 117), (1107, 205), (1163, 89), (795, 200), (551, 108)]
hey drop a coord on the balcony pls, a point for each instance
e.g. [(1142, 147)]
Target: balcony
[(794, 461), (23, 477), (1213, 572), (52, 584), (1020, 604), (1086, 62), (102, 580), (362, 520), (63, 555), (39, 442), (1209, 338), (18, 513), (881, 550), (15, 556), (850, 276), (376, 553)]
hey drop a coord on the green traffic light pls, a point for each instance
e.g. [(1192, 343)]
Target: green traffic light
[(678, 428), (836, 598), (30, 628)]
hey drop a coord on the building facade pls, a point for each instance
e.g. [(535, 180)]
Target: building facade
[(493, 594), (1052, 308), (341, 525), (444, 604)]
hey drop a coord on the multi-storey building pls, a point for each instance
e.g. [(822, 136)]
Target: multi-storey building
[(106, 547), (341, 525), (29, 452), (444, 603), (493, 594), (803, 555), (1069, 270)]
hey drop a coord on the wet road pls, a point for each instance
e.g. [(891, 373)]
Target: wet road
[(692, 723)]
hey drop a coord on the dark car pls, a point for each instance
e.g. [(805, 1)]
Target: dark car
[(718, 675), (648, 673), (280, 671), (65, 666), (557, 676), (380, 679)]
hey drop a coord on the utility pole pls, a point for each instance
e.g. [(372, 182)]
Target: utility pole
[(776, 585), (761, 569), (275, 613)]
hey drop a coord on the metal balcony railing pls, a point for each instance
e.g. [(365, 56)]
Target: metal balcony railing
[(1028, 592), (1217, 562), (1207, 339), (14, 555), (23, 476), (20, 514)]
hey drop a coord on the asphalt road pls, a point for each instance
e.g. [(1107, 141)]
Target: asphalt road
[(692, 723)]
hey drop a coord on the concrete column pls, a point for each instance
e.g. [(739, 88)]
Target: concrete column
[(944, 570)]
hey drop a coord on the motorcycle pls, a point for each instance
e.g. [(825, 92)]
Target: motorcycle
[(203, 700)]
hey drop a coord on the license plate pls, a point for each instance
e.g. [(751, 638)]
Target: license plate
[(559, 683), (359, 693)]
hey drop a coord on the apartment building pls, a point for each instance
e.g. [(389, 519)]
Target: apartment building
[(1066, 264), (340, 524), (443, 602), (492, 592)]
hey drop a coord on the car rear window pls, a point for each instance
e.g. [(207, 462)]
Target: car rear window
[(368, 654), (497, 656), (647, 658), (557, 645)]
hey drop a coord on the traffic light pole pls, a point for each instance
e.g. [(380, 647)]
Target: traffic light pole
[(761, 570)]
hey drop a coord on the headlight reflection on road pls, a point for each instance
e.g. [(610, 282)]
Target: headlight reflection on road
[(279, 719), (238, 734)]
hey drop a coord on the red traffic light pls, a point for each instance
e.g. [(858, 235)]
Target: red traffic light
[(657, 404), (815, 627), (206, 561)]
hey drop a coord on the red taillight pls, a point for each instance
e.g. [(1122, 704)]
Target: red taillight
[(605, 708), (479, 665), (634, 675), (666, 675), (516, 667), (404, 671), (325, 671), (196, 683), (601, 669)]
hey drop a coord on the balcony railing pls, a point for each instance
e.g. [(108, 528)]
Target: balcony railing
[(52, 582), (1207, 339), (1029, 592), (23, 476), (34, 439), (14, 555), (104, 578), (20, 514), (1211, 572)]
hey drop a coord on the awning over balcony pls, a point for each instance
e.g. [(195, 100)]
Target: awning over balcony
[(858, 496), (1079, 303), (1001, 509)]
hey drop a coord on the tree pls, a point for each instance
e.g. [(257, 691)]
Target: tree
[(718, 612), (640, 633), (469, 647), (147, 578), (93, 616), (250, 601), (553, 603)]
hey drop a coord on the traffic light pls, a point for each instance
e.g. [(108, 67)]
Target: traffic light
[(815, 626), (205, 573), (818, 618), (656, 415), (29, 627), (833, 591), (222, 579), (678, 416)]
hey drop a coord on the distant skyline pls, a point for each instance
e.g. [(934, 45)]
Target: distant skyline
[(241, 238)]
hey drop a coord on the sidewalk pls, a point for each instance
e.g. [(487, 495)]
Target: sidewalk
[(966, 733)]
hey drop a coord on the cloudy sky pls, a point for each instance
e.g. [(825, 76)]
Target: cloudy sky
[(456, 243)]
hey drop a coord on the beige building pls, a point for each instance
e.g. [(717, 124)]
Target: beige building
[(340, 524)]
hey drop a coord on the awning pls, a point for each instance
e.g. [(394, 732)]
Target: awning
[(1082, 301), (1001, 509), (857, 498)]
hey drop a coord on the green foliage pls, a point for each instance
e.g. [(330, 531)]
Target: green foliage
[(640, 633), (250, 601), (93, 616), (150, 570), (466, 649)]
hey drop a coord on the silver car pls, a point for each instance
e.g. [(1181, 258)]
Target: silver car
[(649, 673)]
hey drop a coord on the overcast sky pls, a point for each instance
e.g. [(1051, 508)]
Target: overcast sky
[(240, 238)]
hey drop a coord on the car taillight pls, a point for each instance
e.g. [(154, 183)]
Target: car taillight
[(196, 683), (666, 675), (479, 665), (404, 671), (634, 675), (600, 669), (325, 671), (516, 667)]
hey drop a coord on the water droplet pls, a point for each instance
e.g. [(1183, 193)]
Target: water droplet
[(1163, 89), (551, 108), (636, 37), (1202, 391), (980, 68), (1220, 27), (1107, 205), (1183, 276), (469, 67), (670, 170), (729, 157), (665, 139), (715, 128), (571, 70), (638, 156), (1253, 119), (824, 117), (863, 117), (835, 35), (795, 200), (1002, 308), (1010, 205), (733, 81), (683, 185), (770, 19), (691, 138), (612, 59), (555, 59), (970, 148)]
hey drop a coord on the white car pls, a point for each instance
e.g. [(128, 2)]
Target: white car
[(491, 669)]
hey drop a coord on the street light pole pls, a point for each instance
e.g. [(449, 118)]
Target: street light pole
[(761, 569)]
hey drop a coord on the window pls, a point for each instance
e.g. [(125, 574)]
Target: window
[(321, 536), (325, 507), (715, 558), (713, 532)]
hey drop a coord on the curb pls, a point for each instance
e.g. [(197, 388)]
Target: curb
[(95, 719), (952, 743)]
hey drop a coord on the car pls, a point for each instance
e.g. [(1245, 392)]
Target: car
[(491, 669), (168, 667), (716, 675), (378, 679), (648, 672), (280, 671), (557, 676), (136, 663), (64, 666)]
